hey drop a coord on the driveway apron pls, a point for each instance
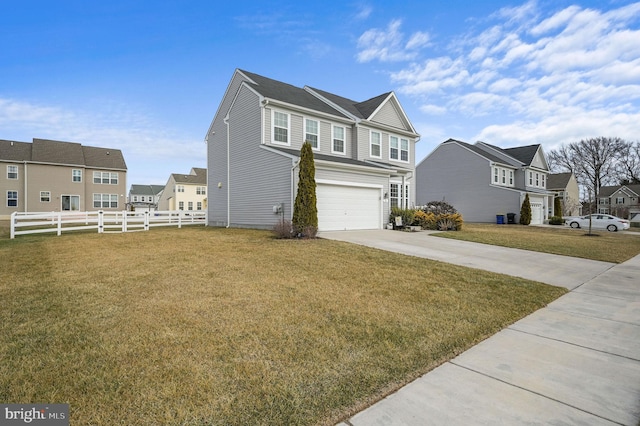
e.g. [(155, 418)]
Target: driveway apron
[(576, 361)]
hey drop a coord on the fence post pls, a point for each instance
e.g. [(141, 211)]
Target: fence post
[(180, 218), (13, 224), (124, 221), (100, 221), (59, 223), (146, 220)]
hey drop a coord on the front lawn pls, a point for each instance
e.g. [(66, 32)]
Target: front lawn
[(201, 325), (606, 246)]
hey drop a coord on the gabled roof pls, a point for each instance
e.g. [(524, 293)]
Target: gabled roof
[(476, 149), (15, 151), (283, 92), (361, 110), (46, 151), (633, 189), (606, 191), (558, 180), (525, 154), (146, 189), (197, 176)]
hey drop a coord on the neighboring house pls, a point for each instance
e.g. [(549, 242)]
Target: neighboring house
[(620, 200), (364, 155), (565, 186), (483, 181), (145, 197), (46, 175), (185, 192)]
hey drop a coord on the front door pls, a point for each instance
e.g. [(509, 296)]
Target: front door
[(70, 202)]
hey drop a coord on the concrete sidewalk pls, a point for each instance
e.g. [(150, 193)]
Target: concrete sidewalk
[(576, 361)]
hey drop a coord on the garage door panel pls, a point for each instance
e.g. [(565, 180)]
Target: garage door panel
[(343, 207)]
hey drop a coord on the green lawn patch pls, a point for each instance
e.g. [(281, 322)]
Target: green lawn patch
[(606, 246), (203, 325)]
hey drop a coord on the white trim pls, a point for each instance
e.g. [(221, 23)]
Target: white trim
[(273, 125), (344, 139), (304, 131), (399, 159), (371, 132), (349, 183)]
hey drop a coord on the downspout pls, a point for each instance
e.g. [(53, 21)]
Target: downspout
[(226, 121)]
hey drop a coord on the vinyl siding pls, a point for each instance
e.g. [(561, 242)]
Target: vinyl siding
[(462, 178), (217, 159), (259, 179), (390, 116)]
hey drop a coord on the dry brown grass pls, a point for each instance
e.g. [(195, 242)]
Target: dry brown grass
[(215, 326), (606, 246)]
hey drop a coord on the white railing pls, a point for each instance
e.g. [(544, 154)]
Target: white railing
[(23, 223)]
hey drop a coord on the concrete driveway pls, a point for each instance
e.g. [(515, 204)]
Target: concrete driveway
[(576, 361)]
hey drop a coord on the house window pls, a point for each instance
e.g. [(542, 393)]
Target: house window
[(399, 195), (376, 143), (105, 201), (135, 199), (180, 188), (76, 175), (537, 179), (199, 205), (190, 205), (393, 148), (105, 178), (604, 201), (504, 176), (619, 200), (543, 184), (201, 190), (12, 198), (280, 127), (181, 205), (404, 150), (338, 140), (311, 132), (511, 177), (45, 196), (12, 172), (496, 174), (530, 178)]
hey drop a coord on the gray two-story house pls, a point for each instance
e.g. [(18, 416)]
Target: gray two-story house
[(364, 154), (483, 181)]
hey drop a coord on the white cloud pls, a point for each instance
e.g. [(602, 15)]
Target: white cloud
[(363, 12), (536, 76), (388, 45)]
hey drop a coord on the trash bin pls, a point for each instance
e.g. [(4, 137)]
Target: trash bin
[(511, 218), (500, 219)]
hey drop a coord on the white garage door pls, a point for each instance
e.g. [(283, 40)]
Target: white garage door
[(342, 207), (536, 213)]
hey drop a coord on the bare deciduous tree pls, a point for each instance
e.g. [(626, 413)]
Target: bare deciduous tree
[(593, 161), (628, 167)]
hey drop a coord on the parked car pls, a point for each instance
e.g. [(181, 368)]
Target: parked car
[(599, 221)]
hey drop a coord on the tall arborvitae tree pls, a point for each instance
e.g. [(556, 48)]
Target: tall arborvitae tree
[(525, 211), (557, 207), (305, 212)]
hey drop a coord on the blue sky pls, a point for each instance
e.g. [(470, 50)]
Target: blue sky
[(147, 76)]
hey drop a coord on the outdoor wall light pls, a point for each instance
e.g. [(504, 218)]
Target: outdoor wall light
[(219, 184)]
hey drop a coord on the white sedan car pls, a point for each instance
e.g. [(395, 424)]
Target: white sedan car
[(599, 221)]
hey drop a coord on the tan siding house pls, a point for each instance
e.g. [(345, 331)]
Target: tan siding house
[(185, 192), (46, 176)]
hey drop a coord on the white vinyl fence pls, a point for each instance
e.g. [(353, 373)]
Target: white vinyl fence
[(123, 221)]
